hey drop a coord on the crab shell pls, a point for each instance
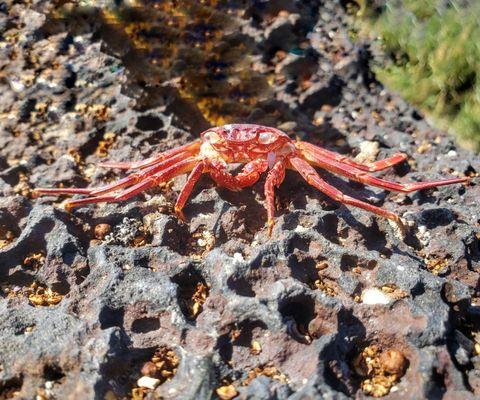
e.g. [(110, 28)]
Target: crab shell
[(245, 142)]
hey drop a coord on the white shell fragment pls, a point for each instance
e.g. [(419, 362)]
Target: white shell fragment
[(148, 382), (368, 151), (374, 296)]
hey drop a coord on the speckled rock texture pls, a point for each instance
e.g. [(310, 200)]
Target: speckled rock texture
[(89, 297)]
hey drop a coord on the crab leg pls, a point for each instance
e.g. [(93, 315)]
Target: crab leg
[(373, 167), (189, 148), (149, 181), (57, 191), (136, 177), (249, 175), (129, 180), (187, 189), (274, 178), (311, 176), (363, 177)]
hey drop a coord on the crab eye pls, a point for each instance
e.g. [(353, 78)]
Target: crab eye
[(265, 138), (211, 137)]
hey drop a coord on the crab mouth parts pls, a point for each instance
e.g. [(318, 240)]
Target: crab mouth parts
[(271, 159)]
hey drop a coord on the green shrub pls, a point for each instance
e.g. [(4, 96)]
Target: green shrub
[(435, 50)]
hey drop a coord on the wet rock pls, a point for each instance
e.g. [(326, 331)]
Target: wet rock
[(275, 317)]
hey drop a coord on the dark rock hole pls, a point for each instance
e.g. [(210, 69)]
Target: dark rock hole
[(145, 325), (328, 227), (62, 287), (297, 314), (241, 286), (437, 387), (225, 347), (10, 386), (20, 278), (470, 171), (303, 267), (348, 262), (27, 109), (189, 282), (52, 372), (436, 217), (336, 380), (248, 331), (110, 317), (81, 274), (375, 239), (149, 123), (298, 242), (71, 79)]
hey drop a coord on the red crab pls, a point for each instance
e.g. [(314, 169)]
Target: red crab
[(261, 149)]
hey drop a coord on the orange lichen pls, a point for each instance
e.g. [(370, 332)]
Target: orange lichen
[(226, 392), (23, 186), (380, 370), (424, 147), (6, 237), (436, 264), (269, 371), (37, 295), (198, 299), (34, 260), (228, 389), (41, 297), (201, 242), (161, 368), (322, 283), (105, 144), (75, 154), (393, 291), (476, 338), (100, 112)]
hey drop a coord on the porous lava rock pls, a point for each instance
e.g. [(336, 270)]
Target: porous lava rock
[(246, 315)]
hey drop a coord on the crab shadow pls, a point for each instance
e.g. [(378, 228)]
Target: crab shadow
[(248, 207)]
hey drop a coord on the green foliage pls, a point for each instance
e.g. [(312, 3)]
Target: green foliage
[(435, 50)]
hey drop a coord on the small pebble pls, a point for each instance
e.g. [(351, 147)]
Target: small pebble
[(238, 257), (17, 86), (148, 382), (374, 296), (301, 229), (393, 362), (149, 369), (256, 347), (368, 151), (227, 392), (452, 153), (102, 230)]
